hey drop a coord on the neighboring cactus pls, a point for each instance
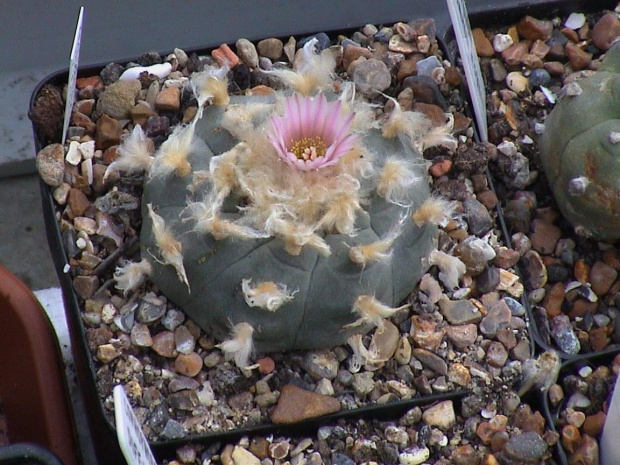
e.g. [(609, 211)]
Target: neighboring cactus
[(580, 151), (275, 248)]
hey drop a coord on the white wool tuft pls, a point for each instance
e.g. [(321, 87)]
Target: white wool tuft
[(451, 268), (134, 154), (372, 311), (240, 346), (434, 210), (130, 276), (266, 295)]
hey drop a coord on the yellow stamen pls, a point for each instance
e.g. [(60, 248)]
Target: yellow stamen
[(308, 148)]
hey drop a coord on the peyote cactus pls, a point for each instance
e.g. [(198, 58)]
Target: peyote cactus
[(286, 221), (580, 151)]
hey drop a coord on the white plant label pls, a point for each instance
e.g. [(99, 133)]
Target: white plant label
[(74, 62), (132, 440), (467, 49), (610, 449)]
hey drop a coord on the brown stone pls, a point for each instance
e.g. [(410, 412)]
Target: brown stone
[(225, 56), (532, 28), (108, 132), (432, 112), (188, 364), (571, 438), (453, 76), (507, 338), (83, 121), (496, 354), (527, 420), (544, 236), (554, 68), (93, 81), (553, 300), (539, 48), (581, 270), (296, 404), (484, 47), (141, 113), (78, 202), (506, 258), (602, 277), (424, 333), (606, 31), (587, 453), (168, 99), (85, 106), (271, 48), (462, 336), (593, 425), (513, 55), (579, 59), (352, 53), (570, 34), (164, 344), (440, 168), (488, 198), (599, 338), (86, 286), (461, 123), (487, 429)]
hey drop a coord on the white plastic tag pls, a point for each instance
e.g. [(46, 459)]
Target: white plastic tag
[(132, 440), (467, 49), (74, 62), (610, 449)]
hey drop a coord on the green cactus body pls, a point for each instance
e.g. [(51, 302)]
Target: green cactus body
[(580, 151), (324, 288)]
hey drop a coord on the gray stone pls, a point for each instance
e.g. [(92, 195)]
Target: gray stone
[(321, 364), (498, 317), (247, 52), (459, 312), (371, 76), (430, 360), (118, 99), (526, 448), (478, 217)]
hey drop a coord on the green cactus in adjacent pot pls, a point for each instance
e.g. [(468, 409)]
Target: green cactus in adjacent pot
[(288, 221), (580, 151)]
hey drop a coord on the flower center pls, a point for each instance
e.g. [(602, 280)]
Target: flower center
[(308, 148)]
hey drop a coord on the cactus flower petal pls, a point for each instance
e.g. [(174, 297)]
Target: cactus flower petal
[(312, 132)]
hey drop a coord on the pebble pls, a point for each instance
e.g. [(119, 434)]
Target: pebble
[(363, 383), (526, 448), (517, 82), (118, 99), (587, 453), (496, 354), (163, 344), (427, 65), (483, 45), (271, 48), (414, 456), (247, 52), (531, 28), (371, 76), (579, 59), (296, 404), (459, 312), (108, 132), (440, 415), (606, 31), (564, 335), (575, 21), (242, 456), (539, 77), (50, 163), (321, 364), (602, 277), (501, 42), (478, 217), (462, 336), (430, 360), (188, 364), (498, 317), (168, 99)]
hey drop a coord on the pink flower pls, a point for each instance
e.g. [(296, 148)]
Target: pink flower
[(312, 132)]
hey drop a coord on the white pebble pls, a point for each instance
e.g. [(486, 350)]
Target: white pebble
[(586, 371), (614, 137), (539, 128), (87, 149), (517, 82), (87, 170), (550, 95), (575, 21), (81, 243), (572, 89), (73, 155), (527, 140), (160, 70), (501, 42), (508, 148), (414, 456)]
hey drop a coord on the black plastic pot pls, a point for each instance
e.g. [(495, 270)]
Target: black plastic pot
[(27, 454), (102, 429)]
